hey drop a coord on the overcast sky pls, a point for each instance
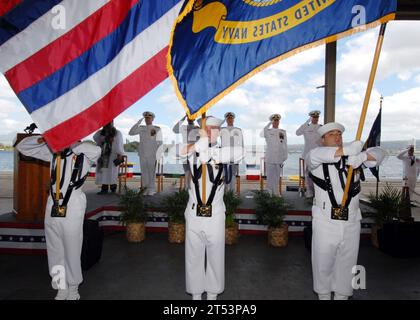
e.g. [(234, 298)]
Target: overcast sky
[(289, 88)]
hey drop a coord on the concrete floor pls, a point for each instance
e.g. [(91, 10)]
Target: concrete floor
[(154, 270)]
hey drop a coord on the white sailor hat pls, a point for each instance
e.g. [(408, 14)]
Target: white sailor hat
[(314, 113), (229, 114), (275, 116), (330, 127), (212, 121), (148, 114)]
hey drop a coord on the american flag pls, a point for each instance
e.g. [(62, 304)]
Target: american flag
[(77, 64)]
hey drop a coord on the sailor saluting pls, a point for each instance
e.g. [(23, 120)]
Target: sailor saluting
[(411, 168), (149, 150), (205, 218), (231, 136), (309, 130), (66, 207), (276, 153)]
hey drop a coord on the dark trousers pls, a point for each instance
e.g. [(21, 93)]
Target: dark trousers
[(104, 187)]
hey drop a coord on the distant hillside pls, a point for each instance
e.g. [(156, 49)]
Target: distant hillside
[(131, 146)]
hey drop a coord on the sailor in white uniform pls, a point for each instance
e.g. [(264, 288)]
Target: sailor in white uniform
[(276, 153), (65, 210), (110, 140), (231, 137), (411, 168), (309, 130), (336, 233), (149, 150), (205, 219), (190, 134)]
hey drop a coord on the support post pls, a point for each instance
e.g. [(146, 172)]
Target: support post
[(330, 81)]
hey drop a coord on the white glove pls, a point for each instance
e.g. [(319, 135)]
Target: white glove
[(353, 148), (357, 160), (202, 145), (140, 121), (204, 156), (379, 154)]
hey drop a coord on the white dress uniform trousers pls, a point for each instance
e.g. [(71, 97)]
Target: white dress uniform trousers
[(275, 156), (312, 141), (64, 236), (232, 137), (335, 244), (149, 150), (205, 236)]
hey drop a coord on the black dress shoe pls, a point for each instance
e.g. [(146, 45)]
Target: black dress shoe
[(102, 192)]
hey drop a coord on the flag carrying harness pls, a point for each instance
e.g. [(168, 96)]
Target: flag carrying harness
[(337, 213), (205, 210), (76, 181)]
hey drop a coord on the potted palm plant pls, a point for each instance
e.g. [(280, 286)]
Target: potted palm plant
[(134, 214), (270, 210), (232, 201), (386, 207), (175, 206), (397, 233)]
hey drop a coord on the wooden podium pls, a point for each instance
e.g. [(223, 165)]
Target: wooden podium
[(31, 178)]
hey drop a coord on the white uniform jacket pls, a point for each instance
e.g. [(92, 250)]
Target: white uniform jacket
[(30, 147), (311, 136), (150, 140), (322, 205), (231, 137), (216, 156), (411, 166), (276, 139), (190, 132)]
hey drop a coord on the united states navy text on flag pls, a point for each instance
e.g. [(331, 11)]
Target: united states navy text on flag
[(73, 80), (218, 44)]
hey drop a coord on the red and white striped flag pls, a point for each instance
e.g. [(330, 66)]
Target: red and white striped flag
[(77, 64)]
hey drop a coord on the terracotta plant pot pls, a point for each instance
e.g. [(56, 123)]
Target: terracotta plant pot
[(136, 232), (232, 234), (176, 232), (278, 237)]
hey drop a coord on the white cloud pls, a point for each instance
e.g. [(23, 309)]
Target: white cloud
[(352, 97), (168, 97), (301, 60), (5, 89), (399, 55), (400, 116), (404, 76), (237, 98)]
